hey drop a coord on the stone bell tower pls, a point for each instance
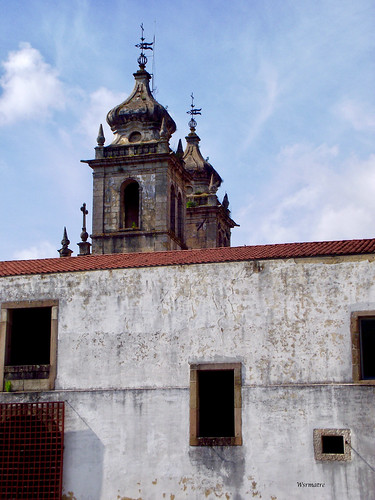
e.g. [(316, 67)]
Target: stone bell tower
[(139, 201), (146, 197), (208, 223)]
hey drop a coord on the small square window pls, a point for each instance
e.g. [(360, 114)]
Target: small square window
[(363, 346), (332, 444), (28, 345), (215, 404)]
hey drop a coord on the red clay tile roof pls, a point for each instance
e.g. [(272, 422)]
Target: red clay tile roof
[(180, 257)]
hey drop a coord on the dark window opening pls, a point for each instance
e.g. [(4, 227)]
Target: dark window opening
[(131, 205), (179, 217), (333, 444), (216, 403), (173, 210), (367, 342), (29, 340), (31, 450)]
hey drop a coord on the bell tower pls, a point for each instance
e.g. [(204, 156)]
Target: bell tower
[(145, 196), (208, 223), (139, 201)]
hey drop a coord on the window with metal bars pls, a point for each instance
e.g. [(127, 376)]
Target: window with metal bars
[(31, 450)]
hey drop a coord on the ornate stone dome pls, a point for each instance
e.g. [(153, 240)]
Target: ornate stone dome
[(140, 118)]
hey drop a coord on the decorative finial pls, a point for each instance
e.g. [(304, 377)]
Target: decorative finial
[(193, 111), (65, 250), (225, 202), (180, 151), (142, 59), (84, 245), (100, 139)]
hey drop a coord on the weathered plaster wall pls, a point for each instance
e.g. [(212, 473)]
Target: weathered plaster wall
[(125, 341), (290, 322), (133, 444)]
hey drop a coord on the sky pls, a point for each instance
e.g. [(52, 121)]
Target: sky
[(286, 89)]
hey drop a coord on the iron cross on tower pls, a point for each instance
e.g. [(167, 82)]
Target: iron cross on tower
[(84, 234)]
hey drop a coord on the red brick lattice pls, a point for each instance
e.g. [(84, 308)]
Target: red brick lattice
[(31, 450)]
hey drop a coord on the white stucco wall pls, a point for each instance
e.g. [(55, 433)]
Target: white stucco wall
[(142, 327), (125, 341)]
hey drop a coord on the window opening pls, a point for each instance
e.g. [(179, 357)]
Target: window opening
[(29, 340), (333, 444), (28, 345), (216, 403), (367, 343), (179, 217), (131, 205), (173, 210)]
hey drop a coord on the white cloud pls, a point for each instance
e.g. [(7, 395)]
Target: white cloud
[(360, 115), (30, 86), (44, 250), (268, 78), (316, 195), (100, 102)]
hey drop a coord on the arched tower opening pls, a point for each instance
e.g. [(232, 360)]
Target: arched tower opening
[(130, 216), (172, 210), (180, 222)]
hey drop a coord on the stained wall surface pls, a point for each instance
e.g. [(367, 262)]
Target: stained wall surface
[(126, 339)]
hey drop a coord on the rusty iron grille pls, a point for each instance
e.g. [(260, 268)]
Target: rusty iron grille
[(31, 450)]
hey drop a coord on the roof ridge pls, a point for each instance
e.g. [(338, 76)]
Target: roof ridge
[(191, 256)]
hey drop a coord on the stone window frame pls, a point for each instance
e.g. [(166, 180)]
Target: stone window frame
[(332, 457), (195, 440), (29, 384), (355, 322)]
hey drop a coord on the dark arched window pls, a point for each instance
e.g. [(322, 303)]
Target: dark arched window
[(179, 217), (173, 210), (130, 205)]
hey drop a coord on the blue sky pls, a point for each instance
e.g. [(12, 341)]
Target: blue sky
[(287, 96)]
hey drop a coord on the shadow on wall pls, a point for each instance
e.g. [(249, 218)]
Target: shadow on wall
[(227, 462), (83, 466)]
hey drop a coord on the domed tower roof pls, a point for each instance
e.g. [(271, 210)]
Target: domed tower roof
[(140, 118)]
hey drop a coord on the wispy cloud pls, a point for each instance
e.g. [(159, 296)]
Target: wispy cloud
[(44, 250), (268, 78), (30, 86), (359, 115), (315, 194), (99, 103)]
